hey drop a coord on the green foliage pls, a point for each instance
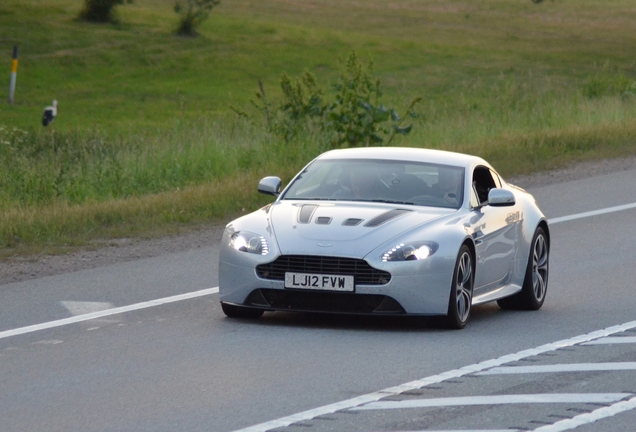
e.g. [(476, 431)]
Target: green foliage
[(604, 84), (302, 97), (354, 117), (192, 13), (100, 11), (302, 107), (525, 100)]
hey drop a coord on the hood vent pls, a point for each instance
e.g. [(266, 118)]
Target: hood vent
[(323, 220), (306, 212), (352, 222), (384, 217)]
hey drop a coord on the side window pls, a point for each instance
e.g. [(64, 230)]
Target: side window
[(482, 183), (495, 177)]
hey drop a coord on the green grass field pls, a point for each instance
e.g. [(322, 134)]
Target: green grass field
[(146, 142)]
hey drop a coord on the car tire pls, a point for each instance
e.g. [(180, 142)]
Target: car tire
[(240, 312), (535, 283), (461, 294)]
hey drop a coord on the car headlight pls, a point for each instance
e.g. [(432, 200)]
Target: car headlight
[(249, 242), (414, 251)]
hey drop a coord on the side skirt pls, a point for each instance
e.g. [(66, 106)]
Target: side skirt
[(499, 293)]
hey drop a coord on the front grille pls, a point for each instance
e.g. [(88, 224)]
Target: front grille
[(362, 272), (309, 301)]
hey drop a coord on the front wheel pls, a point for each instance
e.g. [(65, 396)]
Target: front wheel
[(535, 283), (240, 312), (461, 295)]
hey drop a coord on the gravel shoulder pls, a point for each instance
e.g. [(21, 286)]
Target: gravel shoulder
[(17, 269)]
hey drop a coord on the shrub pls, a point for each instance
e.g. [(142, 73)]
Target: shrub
[(192, 13), (606, 85), (354, 117), (101, 11)]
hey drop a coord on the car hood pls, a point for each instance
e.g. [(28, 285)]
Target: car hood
[(346, 229)]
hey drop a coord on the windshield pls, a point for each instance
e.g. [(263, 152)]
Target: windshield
[(399, 182)]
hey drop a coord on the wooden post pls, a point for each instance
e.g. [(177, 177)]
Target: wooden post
[(14, 73)]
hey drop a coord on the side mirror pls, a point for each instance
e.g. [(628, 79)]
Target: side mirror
[(269, 186), (500, 198)]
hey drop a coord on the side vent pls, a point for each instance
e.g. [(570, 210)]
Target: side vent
[(323, 220), (352, 222), (385, 217), (306, 212)]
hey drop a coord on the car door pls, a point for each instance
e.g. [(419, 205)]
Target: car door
[(494, 230)]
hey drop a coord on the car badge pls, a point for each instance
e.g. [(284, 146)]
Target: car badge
[(325, 244)]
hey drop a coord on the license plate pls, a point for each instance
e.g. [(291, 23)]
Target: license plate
[(319, 282)]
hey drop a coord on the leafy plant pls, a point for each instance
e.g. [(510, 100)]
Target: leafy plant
[(353, 117), (357, 115), (192, 13), (302, 97), (101, 11), (607, 85)]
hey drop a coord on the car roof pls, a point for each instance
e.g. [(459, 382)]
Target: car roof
[(405, 154)]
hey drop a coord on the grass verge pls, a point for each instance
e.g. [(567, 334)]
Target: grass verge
[(146, 143)]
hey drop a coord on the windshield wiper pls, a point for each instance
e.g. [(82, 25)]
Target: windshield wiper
[(310, 199), (391, 201)]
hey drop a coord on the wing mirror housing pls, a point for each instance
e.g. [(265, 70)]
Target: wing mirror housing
[(500, 198), (269, 186)]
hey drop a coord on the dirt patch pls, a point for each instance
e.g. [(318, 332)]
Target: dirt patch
[(16, 269), (103, 253), (574, 172)]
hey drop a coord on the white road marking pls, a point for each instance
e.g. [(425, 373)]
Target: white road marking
[(434, 379), (468, 430), (82, 308), (108, 312), (613, 340), (586, 418), (566, 367), (496, 400), (592, 213)]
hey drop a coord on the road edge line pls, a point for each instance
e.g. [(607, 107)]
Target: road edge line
[(107, 312)]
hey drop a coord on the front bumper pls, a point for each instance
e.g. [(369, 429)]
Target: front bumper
[(409, 291)]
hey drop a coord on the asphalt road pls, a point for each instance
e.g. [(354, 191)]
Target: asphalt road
[(184, 366)]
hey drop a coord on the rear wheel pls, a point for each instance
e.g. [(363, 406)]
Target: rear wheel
[(240, 312), (535, 284), (461, 295)]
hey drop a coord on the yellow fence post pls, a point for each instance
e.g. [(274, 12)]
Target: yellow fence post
[(14, 73)]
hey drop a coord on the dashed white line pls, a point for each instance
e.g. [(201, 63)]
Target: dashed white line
[(496, 400), (434, 379), (592, 417), (565, 367), (468, 430), (613, 340), (107, 312)]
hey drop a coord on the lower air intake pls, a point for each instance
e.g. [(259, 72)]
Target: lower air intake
[(309, 301)]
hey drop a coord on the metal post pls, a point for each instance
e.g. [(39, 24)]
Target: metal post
[(14, 73)]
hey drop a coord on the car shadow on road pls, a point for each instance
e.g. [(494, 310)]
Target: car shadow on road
[(480, 315)]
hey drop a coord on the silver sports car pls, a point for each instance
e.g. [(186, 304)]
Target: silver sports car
[(387, 231)]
